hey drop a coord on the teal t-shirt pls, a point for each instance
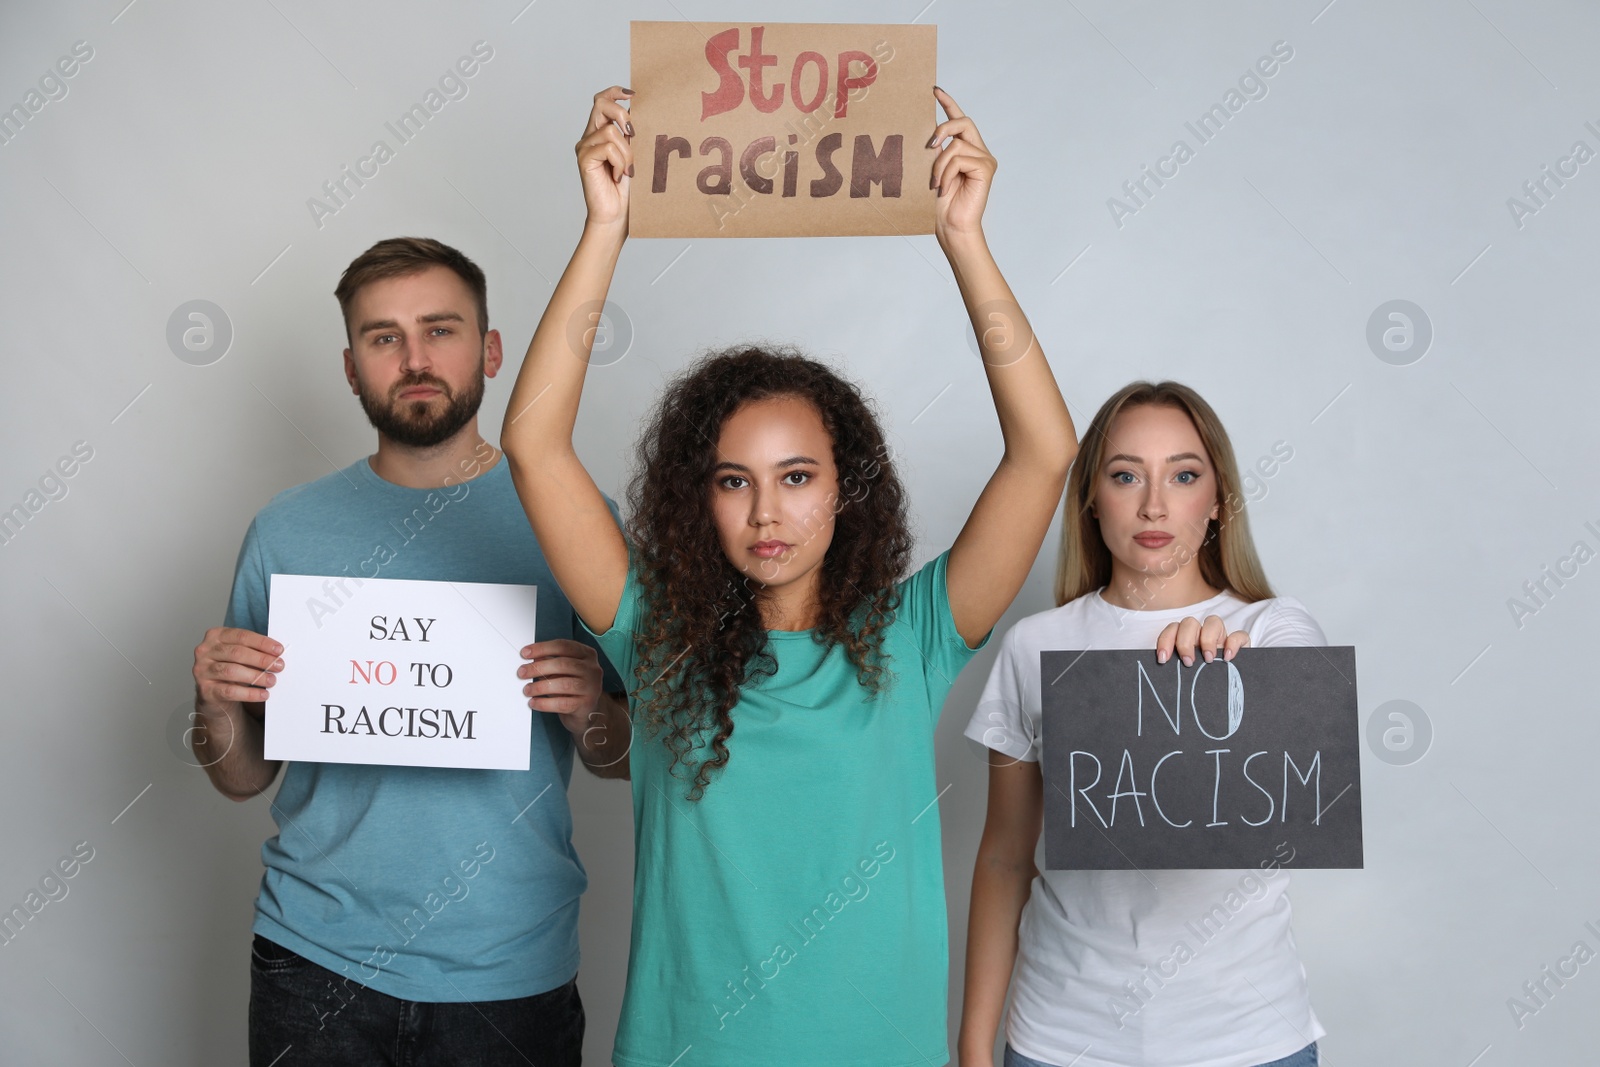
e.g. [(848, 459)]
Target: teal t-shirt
[(795, 914), (426, 883)]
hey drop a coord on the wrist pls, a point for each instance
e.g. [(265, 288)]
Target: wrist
[(604, 234), (217, 711), (974, 1053), (971, 1040), (964, 243), (602, 727)]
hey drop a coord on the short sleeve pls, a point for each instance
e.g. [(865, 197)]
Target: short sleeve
[(617, 643), (1007, 717), (611, 680), (1286, 624), (925, 611), (247, 604)]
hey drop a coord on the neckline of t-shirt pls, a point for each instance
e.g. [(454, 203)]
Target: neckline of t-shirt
[(791, 633), (372, 477), (1158, 613)]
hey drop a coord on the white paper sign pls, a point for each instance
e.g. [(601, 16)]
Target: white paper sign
[(420, 674)]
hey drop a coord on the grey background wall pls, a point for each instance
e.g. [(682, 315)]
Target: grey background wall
[(1427, 484)]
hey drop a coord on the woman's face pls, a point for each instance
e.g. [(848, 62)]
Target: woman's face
[(1154, 493), (775, 494)]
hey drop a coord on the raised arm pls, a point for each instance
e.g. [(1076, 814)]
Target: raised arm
[(569, 516), (995, 550)]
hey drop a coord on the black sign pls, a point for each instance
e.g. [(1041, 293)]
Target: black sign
[(1161, 766)]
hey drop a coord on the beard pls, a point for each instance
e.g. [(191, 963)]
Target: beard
[(418, 423)]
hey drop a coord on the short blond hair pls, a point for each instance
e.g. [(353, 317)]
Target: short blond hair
[(396, 257)]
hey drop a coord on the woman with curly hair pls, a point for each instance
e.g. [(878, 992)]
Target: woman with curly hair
[(785, 672)]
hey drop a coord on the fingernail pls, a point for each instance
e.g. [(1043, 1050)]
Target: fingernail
[(1210, 656), (278, 666), (629, 171), (1161, 656), (938, 90), (932, 141), (627, 127), (1188, 661), (941, 190), (628, 91)]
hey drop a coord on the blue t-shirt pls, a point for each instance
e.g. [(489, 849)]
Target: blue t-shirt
[(426, 883)]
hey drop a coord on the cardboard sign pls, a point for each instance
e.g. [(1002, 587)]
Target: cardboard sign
[(422, 674), (1160, 766), (781, 129)]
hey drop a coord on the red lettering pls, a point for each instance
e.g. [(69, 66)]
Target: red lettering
[(800, 61), (372, 672), (848, 81), (756, 61), (855, 70), (730, 90)]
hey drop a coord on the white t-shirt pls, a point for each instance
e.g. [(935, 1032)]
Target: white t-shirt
[(1172, 968)]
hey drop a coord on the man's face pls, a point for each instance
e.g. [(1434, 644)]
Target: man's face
[(416, 358)]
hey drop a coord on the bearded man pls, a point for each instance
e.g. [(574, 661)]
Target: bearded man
[(412, 914)]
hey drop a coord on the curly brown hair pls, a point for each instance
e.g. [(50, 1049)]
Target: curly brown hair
[(702, 637)]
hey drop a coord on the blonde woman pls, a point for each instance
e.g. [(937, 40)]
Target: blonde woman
[(1107, 973)]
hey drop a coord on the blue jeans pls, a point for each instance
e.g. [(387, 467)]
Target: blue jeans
[(1306, 1057), (301, 1013)]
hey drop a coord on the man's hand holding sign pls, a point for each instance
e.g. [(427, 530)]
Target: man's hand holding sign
[(410, 696)]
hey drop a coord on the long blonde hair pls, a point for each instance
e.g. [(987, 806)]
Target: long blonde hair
[(1227, 556)]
